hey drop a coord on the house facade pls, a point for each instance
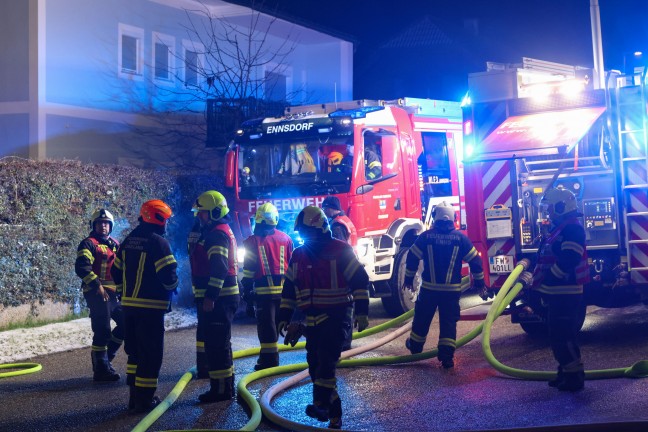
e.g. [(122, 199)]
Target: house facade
[(125, 81)]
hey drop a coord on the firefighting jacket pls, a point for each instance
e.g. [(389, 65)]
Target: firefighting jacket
[(373, 167), (145, 269), (266, 262), (322, 276), (95, 258), (213, 262), (442, 252), (562, 260), (343, 229)]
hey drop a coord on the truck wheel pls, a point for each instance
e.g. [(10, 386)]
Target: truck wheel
[(401, 300)]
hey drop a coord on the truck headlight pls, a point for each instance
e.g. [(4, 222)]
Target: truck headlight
[(240, 254)]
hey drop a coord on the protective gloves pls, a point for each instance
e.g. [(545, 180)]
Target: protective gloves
[(294, 332), (282, 327), (361, 322), (526, 279), (484, 292)]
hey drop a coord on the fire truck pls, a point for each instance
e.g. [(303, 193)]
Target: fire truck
[(316, 151), (539, 125)]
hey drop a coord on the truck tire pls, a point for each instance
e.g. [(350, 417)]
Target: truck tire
[(540, 329), (401, 300)]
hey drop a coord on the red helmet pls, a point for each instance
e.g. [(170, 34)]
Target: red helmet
[(155, 212)]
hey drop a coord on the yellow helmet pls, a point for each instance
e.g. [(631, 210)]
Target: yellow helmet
[(213, 202), (267, 213), (312, 217), (102, 215), (335, 158), (246, 170), (558, 202)]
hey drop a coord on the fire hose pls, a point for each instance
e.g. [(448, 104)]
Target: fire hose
[(22, 369), (505, 296)]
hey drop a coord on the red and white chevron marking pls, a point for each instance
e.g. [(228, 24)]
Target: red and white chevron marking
[(496, 183)]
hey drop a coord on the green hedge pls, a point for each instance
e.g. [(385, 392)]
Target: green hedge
[(45, 209)]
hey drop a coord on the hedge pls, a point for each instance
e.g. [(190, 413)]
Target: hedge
[(45, 210)]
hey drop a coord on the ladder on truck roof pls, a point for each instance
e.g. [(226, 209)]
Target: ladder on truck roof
[(632, 132), (326, 108)]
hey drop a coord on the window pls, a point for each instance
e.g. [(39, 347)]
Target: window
[(275, 86), (163, 55), (378, 162), (193, 61), (131, 49)]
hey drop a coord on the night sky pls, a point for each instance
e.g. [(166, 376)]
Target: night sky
[(506, 31)]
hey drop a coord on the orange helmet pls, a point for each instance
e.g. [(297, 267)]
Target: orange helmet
[(155, 212), (335, 158)]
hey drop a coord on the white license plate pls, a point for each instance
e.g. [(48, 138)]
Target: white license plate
[(501, 264)]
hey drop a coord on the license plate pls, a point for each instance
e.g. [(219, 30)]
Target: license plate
[(501, 264)]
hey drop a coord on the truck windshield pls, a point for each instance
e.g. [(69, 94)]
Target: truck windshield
[(294, 168)]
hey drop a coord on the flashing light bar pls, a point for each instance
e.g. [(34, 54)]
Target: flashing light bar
[(356, 113)]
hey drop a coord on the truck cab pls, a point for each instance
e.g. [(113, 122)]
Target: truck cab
[(369, 154)]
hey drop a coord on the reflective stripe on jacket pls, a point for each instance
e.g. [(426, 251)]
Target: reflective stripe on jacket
[(562, 266), (214, 267), (266, 261), (95, 258), (145, 268)]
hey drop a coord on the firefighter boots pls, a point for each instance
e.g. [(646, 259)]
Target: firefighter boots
[(447, 363), (560, 377), (144, 400), (317, 412), (215, 394), (103, 370), (573, 381), (266, 361), (413, 347)]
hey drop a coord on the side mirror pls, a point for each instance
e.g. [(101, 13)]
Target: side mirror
[(230, 168), (364, 189)]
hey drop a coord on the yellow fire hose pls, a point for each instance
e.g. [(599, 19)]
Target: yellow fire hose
[(504, 297), (23, 369)]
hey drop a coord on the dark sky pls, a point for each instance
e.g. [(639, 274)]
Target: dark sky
[(553, 30)]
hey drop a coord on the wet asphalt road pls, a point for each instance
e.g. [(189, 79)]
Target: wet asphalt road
[(410, 397)]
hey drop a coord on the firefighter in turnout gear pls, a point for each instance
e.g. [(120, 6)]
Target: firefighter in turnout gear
[(560, 272), (267, 253), (324, 280), (342, 229), (442, 250), (213, 272), (95, 258), (341, 226), (145, 272)]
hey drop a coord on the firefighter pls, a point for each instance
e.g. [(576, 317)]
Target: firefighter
[(341, 226), (442, 250), (213, 271), (247, 179), (373, 166), (145, 272), (267, 253), (95, 258), (324, 279), (561, 271), (342, 229)]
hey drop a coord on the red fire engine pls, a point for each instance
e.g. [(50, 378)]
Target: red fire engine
[(319, 150), (523, 135)]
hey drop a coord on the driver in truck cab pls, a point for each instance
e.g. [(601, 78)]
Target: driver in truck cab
[(442, 250)]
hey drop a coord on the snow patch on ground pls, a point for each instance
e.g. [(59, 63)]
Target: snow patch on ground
[(23, 344)]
